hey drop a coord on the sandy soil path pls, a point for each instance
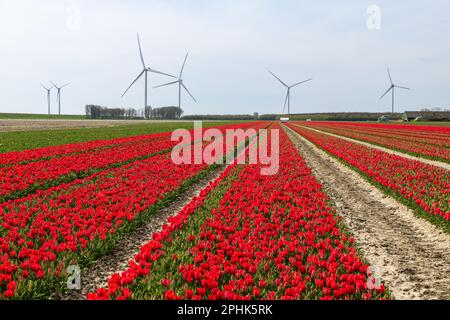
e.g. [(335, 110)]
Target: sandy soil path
[(412, 255), (401, 154)]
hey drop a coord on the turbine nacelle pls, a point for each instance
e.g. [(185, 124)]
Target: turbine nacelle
[(144, 71), (392, 88), (288, 95), (180, 83), (49, 89), (58, 95)]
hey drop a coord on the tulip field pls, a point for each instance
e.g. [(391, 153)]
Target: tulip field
[(429, 142), (74, 221), (250, 237), (245, 236), (424, 187)]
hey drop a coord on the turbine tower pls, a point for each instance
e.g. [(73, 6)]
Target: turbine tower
[(392, 87), (145, 72), (58, 95), (288, 95), (180, 84), (48, 96)]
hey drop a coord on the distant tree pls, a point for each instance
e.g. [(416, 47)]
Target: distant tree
[(98, 112), (169, 113), (148, 112), (268, 117), (88, 111)]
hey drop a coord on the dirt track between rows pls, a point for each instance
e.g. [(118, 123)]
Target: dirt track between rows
[(412, 255), (387, 150)]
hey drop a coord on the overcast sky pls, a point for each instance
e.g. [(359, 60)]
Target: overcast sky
[(232, 44)]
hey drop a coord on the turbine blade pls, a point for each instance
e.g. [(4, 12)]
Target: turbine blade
[(390, 78), (403, 87), (140, 75), (68, 84), (159, 72), (45, 87), (166, 84), (184, 63), (390, 88), (284, 84), (54, 84), (188, 92), (299, 83), (140, 51)]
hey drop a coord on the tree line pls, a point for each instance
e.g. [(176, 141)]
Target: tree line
[(99, 112), (333, 116)]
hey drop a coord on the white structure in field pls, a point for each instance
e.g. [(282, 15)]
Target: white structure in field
[(283, 120)]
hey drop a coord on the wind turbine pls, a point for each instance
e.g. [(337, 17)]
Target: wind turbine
[(145, 71), (392, 87), (288, 95), (180, 84), (58, 95), (48, 96)]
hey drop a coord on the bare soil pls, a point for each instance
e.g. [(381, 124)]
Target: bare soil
[(8, 125), (412, 255), (387, 150), (97, 276)]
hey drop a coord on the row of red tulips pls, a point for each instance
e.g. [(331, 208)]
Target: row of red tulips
[(419, 134), (422, 145), (435, 135), (439, 132), (424, 187), (46, 153), (75, 223), (22, 157), (249, 236), (21, 179), (42, 234)]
